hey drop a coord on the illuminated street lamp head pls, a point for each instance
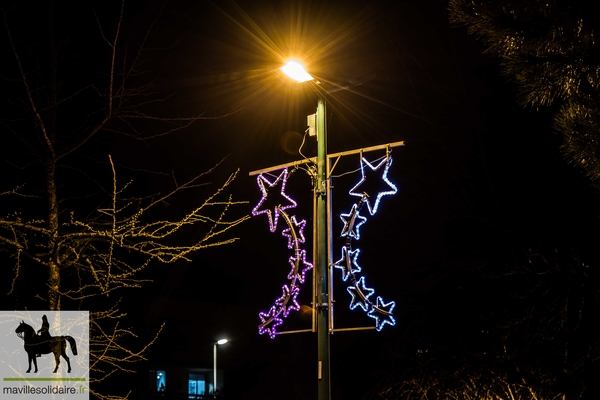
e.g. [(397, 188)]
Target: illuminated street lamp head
[(296, 71), (222, 341)]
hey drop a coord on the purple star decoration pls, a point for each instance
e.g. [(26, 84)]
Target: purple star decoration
[(294, 233), (273, 214)]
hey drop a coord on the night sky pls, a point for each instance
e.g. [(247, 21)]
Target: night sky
[(479, 178)]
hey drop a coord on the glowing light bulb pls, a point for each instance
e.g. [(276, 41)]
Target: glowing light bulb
[(296, 71)]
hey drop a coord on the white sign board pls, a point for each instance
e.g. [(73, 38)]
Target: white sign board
[(31, 342)]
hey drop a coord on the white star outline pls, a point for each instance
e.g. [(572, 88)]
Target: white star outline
[(351, 227), (387, 161), (382, 312), (360, 294), (347, 262)]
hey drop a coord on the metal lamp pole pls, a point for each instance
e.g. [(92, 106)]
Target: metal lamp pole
[(322, 242), (322, 321), (296, 71), (219, 342)]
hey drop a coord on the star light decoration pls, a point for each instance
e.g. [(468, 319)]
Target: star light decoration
[(273, 214), (385, 163), (348, 263), (351, 227), (294, 233), (360, 293)]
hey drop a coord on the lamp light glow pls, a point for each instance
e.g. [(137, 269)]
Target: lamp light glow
[(296, 71), (222, 341)]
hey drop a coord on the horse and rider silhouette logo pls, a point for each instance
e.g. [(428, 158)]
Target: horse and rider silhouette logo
[(42, 342)]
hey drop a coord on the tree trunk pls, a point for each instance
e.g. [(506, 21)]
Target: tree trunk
[(53, 262)]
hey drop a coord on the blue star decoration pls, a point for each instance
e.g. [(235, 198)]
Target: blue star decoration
[(382, 312), (269, 321), (263, 184), (351, 226), (348, 263), (360, 294), (371, 199)]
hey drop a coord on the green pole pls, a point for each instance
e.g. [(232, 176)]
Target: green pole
[(322, 191)]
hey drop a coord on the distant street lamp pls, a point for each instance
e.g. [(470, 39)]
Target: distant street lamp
[(218, 342), (296, 71)]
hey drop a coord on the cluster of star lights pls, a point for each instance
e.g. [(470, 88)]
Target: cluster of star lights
[(348, 263), (294, 232)]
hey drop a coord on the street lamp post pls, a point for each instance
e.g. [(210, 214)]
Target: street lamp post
[(296, 71), (322, 267), (323, 323), (218, 342)]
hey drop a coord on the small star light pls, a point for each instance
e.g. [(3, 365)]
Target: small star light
[(350, 225), (296, 273), (287, 302), (360, 294), (382, 312), (270, 321), (293, 237), (385, 163), (273, 214), (348, 263)]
